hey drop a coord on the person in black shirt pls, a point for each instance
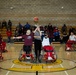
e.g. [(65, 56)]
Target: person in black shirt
[(9, 24), (4, 24)]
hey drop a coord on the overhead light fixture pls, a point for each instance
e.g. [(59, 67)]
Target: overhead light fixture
[(11, 8), (62, 7)]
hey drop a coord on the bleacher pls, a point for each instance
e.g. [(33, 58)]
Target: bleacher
[(3, 31)]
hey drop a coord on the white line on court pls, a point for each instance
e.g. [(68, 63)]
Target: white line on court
[(64, 71), (9, 71)]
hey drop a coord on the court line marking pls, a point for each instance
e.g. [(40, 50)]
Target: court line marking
[(64, 71), (9, 71)]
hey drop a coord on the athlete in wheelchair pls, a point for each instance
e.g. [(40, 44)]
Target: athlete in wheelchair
[(49, 55), (2, 44), (71, 43), (25, 52)]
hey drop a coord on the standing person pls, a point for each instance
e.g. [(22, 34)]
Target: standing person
[(9, 34), (28, 40), (4, 24), (37, 43), (64, 28), (9, 24)]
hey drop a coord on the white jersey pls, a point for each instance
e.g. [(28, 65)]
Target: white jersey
[(72, 37), (45, 42)]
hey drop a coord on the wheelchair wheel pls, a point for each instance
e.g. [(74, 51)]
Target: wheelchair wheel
[(20, 55)]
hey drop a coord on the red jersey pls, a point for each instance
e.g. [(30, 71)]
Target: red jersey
[(9, 33), (28, 39)]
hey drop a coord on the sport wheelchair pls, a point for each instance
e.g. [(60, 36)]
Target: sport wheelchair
[(25, 56), (70, 45), (50, 54)]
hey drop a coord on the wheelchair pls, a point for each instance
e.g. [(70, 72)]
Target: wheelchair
[(70, 46), (26, 54), (3, 46), (50, 54)]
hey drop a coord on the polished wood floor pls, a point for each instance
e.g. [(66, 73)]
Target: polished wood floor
[(68, 59)]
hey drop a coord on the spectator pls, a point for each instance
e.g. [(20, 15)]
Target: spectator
[(50, 27), (65, 37), (61, 39), (19, 26), (56, 35), (16, 34), (71, 30), (51, 36), (27, 26), (9, 24), (9, 34), (64, 28), (4, 24)]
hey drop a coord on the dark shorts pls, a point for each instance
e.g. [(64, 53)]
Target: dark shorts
[(26, 48)]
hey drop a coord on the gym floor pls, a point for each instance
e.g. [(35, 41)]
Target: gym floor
[(65, 64)]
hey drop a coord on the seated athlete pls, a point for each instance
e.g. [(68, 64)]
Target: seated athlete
[(71, 41), (28, 40)]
